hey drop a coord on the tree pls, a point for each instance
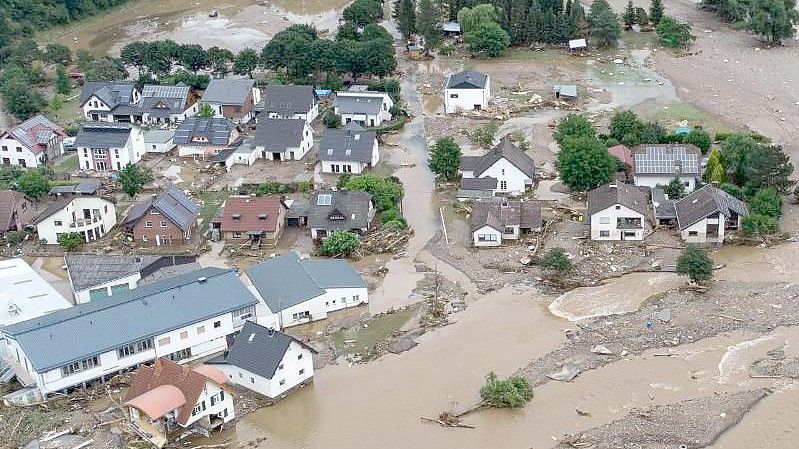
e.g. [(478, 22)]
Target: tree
[(629, 17), (624, 123), (489, 38), (584, 163), (512, 392), (57, 54), (766, 202), (651, 132), (63, 85), (471, 18), (33, 184), (20, 99), (557, 261), (698, 136), (445, 158), (331, 119), (134, 54), (106, 69), (605, 29), (70, 241), (219, 58), (427, 23), (774, 19), (405, 15), (158, 57), (386, 193), (193, 57), (133, 178), (768, 166), (674, 34), (675, 189), (574, 126), (641, 18), (347, 31), (340, 243), (656, 11), (695, 263), (246, 62), (735, 151), (378, 56), (755, 225), (363, 12), (206, 111), (715, 170)]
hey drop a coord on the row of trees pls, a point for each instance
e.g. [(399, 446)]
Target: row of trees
[(157, 58), (774, 20)]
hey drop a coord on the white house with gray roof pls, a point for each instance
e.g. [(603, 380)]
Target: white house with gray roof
[(298, 102), (107, 147), (90, 216), (618, 211), (31, 143), (347, 210), (304, 290), (24, 294), (660, 164), (266, 361), (707, 214), (466, 91), (109, 101), (159, 141), (202, 138), (282, 139), (233, 99), (365, 108), (165, 104), (507, 165), (350, 150), (181, 318)]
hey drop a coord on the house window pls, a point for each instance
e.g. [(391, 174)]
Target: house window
[(503, 172), (486, 238), (139, 346), (244, 313), (346, 168), (503, 185), (301, 315), (224, 413), (299, 356), (217, 324), (83, 365), (184, 335), (252, 380), (200, 329), (282, 382), (356, 298), (453, 95), (22, 162), (144, 239), (604, 220), (604, 233), (236, 234), (163, 223), (163, 341), (148, 224), (57, 223), (19, 149), (222, 395), (693, 233), (302, 371), (116, 153), (687, 184), (280, 367), (618, 207), (180, 355), (5, 148), (240, 375), (509, 230)]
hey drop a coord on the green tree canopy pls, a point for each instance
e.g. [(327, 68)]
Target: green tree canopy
[(363, 12), (340, 243), (70, 241), (245, 62), (557, 261), (774, 20), (584, 163), (673, 33), (605, 30), (675, 189), (133, 178), (756, 225), (57, 54), (206, 111), (766, 202), (63, 85), (193, 57), (698, 136), (489, 38), (695, 263), (405, 15), (445, 158), (428, 23), (656, 11), (573, 126), (386, 193), (106, 69), (33, 184), (624, 123), (471, 18), (219, 58), (715, 170), (513, 392)]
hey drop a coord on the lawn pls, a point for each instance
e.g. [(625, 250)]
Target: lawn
[(379, 329), (211, 201), (67, 163)]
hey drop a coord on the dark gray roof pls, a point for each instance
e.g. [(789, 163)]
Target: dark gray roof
[(102, 135), (358, 104), (169, 271), (505, 150), (158, 136), (222, 156), (487, 183), (298, 208), (288, 100), (278, 134), (664, 207), (667, 159), (287, 280), (352, 205), (87, 270), (88, 187), (217, 130), (258, 350), (175, 205), (352, 143), (499, 213), (113, 93), (85, 330), (228, 91), (627, 195), (705, 201), (468, 79)]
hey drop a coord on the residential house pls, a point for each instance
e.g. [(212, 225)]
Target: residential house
[(233, 99), (466, 91), (160, 105), (266, 361), (202, 138), (298, 102), (618, 212), (24, 294), (655, 165), (665, 213), (707, 214), (159, 141), (477, 189), (252, 220), (364, 108), (31, 143), (16, 211), (511, 167), (108, 146), (282, 139), (350, 150), (88, 187), (181, 318), (109, 101), (305, 290), (167, 400), (348, 210), (170, 218), (498, 220), (98, 276), (90, 216)]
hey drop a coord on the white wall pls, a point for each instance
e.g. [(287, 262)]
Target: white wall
[(212, 389), (697, 232), (131, 153), (371, 119), (503, 170), (95, 104), (354, 167), (14, 150), (309, 116), (289, 374), (653, 181), (487, 232), (306, 143), (102, 210), (466, 99), (83, 296), (159, 147), (610, 215), (333, 299)]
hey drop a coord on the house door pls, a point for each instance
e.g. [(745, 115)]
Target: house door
[(291, 155), (276, 156), (371, 122), (477, 107), (95, 117), (713, 230), (100, 165), (157, 240)]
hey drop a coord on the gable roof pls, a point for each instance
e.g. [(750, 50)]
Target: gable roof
[(468, 79), (255, 213), (216, 130), (610, 194), (360, 104), (500, 213), (663, 206), (285, 281), (705, 201), (279, 134), (158, 136), (353, 205), (89, 270), (171, 203), (287, 100), (505, 150), (86, 330), (9, 202), (35, 133), (258, 350), (167, 386), (87, 187), (228, 91), (103, 135), (667, 159), (113, 93), (623, 153), (352, 143), (487, 183)]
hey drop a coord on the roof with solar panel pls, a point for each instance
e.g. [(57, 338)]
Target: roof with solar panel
[(667, 159)]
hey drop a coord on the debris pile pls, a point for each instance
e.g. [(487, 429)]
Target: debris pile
[(387, 239)]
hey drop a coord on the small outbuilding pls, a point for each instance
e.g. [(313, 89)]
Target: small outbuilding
[(467, 91)]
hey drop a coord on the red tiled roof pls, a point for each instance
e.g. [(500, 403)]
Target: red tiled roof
[(250, 214), (622, 153), (9, 200), (36, 132)]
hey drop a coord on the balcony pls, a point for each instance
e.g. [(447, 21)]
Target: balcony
[(628, 223), (84, 222)]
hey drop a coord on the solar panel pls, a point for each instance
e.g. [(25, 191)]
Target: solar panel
[(666, 160), (324, 199)]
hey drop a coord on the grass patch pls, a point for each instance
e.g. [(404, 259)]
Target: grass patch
[(211, 201), (638, 41), (67, 113), (679, 111), (525, 54), (67, 163), (366, 338)]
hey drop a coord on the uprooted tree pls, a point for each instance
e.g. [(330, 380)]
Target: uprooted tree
[(513, 392)]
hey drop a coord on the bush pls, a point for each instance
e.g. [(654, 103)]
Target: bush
[(698, 137), (386, 193), (673, 33), (695, 263), (391, 86), (70, 241), (512, 392), (733, 190), (272, 188), (574, 126), (484, 135), (133, 178), (675, 189), (13, 237), (340, 243), (755, 225), (766, 202), (584, 163), (392, 218), (331, 120), (624, 124), (556, 260), (445, 159), (33, 184)]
